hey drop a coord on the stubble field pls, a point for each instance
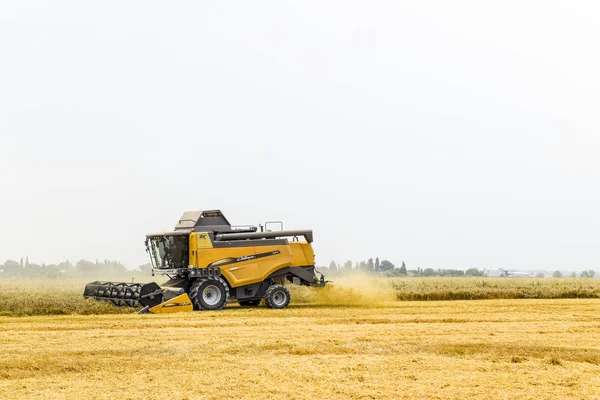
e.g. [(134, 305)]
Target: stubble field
[(375, 348)]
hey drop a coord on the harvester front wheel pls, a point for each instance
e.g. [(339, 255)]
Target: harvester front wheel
[(277, 296), (209, 293)]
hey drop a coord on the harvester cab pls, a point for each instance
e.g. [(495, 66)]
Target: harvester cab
[(208, 262)]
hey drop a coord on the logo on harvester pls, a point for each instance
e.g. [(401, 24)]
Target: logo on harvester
[(202, 236), (227, 261)]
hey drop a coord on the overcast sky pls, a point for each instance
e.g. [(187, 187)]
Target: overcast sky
[(446, 134)]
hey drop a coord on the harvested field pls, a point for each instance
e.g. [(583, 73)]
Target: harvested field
[(525, 349)]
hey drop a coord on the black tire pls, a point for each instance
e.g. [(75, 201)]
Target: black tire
[(249, 303), (277, 296), (209, 293)]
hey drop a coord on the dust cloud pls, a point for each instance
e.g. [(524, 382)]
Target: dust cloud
[(354, 290)]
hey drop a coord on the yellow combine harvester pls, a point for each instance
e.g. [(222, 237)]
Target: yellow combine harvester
[(210, 261)]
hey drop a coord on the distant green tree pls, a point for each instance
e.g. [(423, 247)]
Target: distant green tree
[(51, 271), (112, 267), (393, 272), (11, 268), (557, 274), (573, 275), (474, 272), (362, 266), (451, 272), (11, 264), (403, 270), (540, 275), (348, 266), (85, 266), (33, 270), (428, 272), (370, 265), (66, 267), (386, 266), (376, 264), (587, 274), (332, 267), (145, 267)]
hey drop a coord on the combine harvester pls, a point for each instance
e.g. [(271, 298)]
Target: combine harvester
[(210, 261)]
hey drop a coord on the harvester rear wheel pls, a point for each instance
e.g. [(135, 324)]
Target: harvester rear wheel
[(249, 303), (209, 293), (277, 296)]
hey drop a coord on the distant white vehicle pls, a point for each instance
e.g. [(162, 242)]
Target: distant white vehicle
[(496, 273), (500, 272), (521, 274)]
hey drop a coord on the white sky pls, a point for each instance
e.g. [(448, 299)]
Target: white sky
[(446, 134)]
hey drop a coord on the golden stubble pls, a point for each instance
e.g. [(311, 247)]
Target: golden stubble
[(525, 349)]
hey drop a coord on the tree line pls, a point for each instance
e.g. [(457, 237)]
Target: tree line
[(66, 269), (590, 273), (387, 268), (106, 269), (372, 266)]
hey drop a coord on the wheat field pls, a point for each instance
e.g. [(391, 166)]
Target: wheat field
[(372, 347), (52, 297)]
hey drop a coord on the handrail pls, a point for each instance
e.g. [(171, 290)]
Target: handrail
[(308, 235)]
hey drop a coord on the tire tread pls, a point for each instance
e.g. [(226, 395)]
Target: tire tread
[(195, 292), (274, 288)]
